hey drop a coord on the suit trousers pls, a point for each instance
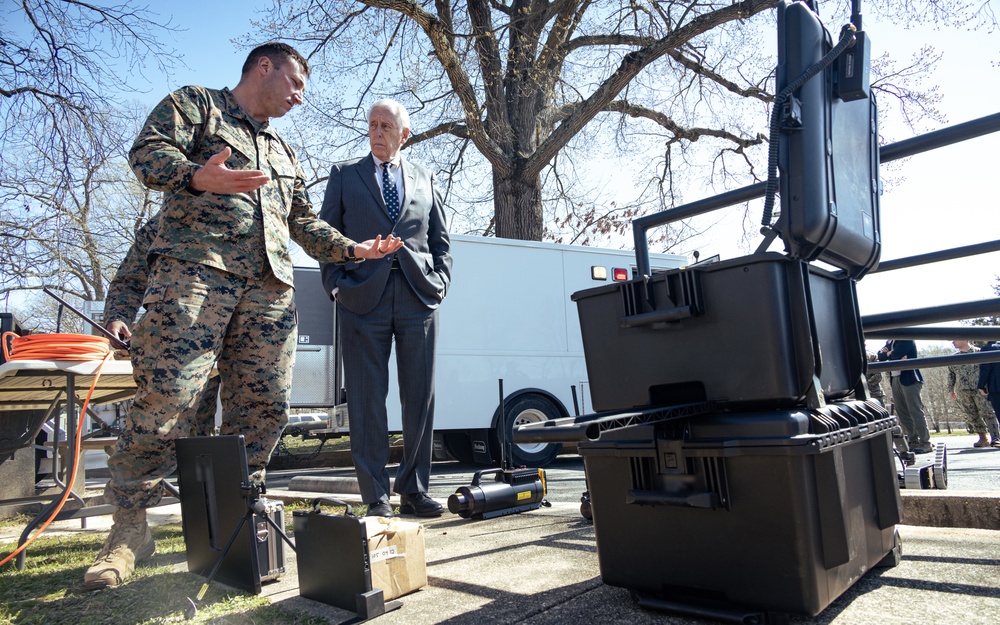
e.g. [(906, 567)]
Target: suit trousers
[(367, 341), (910, 410)]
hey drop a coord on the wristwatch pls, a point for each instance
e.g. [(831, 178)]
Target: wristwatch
[(350, 252)]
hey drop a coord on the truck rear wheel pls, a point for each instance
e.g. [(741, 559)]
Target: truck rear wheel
[(528, 408)]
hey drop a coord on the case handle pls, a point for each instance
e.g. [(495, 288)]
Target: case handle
[(659, 498), (317, 505), (657, 316)]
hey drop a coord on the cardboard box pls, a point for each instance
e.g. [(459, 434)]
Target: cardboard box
[(396, 555)]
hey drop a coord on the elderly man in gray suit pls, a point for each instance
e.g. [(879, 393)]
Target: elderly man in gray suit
[(394, 299)]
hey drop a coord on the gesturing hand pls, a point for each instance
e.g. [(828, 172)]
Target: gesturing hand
[(215, 177), (378, 247)]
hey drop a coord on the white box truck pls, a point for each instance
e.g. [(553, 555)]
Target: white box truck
[(508, 315)]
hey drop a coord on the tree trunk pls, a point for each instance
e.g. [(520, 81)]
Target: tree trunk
[(518, 206)]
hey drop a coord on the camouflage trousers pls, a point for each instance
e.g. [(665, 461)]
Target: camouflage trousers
[(198, 317), (978, 413)]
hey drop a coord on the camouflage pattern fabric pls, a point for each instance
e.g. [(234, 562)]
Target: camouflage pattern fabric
[(195, 315), (964, 377), (220, 287), (245, 234), (874, 380), (977, 410), (129, 284), (122, 304)]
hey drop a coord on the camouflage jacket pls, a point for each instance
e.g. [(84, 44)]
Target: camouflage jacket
[(129, 284), (875, 384), (963, 377), (241, 233)]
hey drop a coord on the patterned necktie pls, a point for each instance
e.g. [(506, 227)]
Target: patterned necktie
[(389, 192)]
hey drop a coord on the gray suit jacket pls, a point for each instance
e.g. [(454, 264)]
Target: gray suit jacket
[(353, 204)]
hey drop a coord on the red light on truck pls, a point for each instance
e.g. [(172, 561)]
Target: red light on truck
[(619, 275)]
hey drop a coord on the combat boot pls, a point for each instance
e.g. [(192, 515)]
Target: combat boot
[(129, 542), (983, 441)]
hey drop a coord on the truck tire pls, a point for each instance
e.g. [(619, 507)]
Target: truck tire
[(528, 408)]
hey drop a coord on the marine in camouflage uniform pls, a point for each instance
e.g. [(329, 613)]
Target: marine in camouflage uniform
[(122, 304), (220, 283), (962, 382), (874, 379)]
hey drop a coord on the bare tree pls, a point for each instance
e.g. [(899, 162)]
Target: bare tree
[(62, 63), (67, 199), (66, 219), (987, 321), (523, 105)]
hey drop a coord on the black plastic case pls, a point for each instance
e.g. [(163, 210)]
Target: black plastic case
[(757, 331), (828, 156), (778, 511)]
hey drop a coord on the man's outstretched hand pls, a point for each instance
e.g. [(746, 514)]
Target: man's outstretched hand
[(215, 177), (377, 247)]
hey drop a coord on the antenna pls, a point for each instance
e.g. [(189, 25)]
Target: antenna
[(117, 342)]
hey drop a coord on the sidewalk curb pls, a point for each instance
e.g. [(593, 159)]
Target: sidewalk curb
[(966, 509)]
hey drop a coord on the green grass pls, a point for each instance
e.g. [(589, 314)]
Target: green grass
[(954, 432), (306, 446), (50, 589)]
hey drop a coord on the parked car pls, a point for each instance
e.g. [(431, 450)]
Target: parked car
[(298, 424)]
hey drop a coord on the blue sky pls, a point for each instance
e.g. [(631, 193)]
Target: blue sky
[(951, 196), (205, 42)]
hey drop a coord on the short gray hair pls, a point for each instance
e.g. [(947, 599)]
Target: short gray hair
[(398, 111)]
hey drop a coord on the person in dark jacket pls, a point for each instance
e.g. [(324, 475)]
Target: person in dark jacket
[(905, 385), (989, 381)]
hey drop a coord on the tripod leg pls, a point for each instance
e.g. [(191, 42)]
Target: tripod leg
[(222, 556)]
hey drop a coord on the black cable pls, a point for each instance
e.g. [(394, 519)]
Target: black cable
[(847, 38)]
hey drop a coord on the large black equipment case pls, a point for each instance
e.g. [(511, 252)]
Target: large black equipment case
[(828, 154), (778, 511), (758, 331)]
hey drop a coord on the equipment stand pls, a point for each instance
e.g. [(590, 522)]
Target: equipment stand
[(254, 506)]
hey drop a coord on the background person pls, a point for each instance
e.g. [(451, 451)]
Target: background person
[(389, 301), (962, 387), (220, 284), (989, 382), (122, 304), (874, 380), (905, 386)]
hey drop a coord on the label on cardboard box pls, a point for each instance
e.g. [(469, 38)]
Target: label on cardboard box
[(396, 554), (383, 554)]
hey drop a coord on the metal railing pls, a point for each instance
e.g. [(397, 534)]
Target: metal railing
[(892, 325)]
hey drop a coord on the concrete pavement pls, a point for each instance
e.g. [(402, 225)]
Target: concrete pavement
[(541, 567)]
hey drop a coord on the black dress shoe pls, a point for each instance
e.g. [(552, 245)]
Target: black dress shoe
[(380, 508), (419, 504)]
